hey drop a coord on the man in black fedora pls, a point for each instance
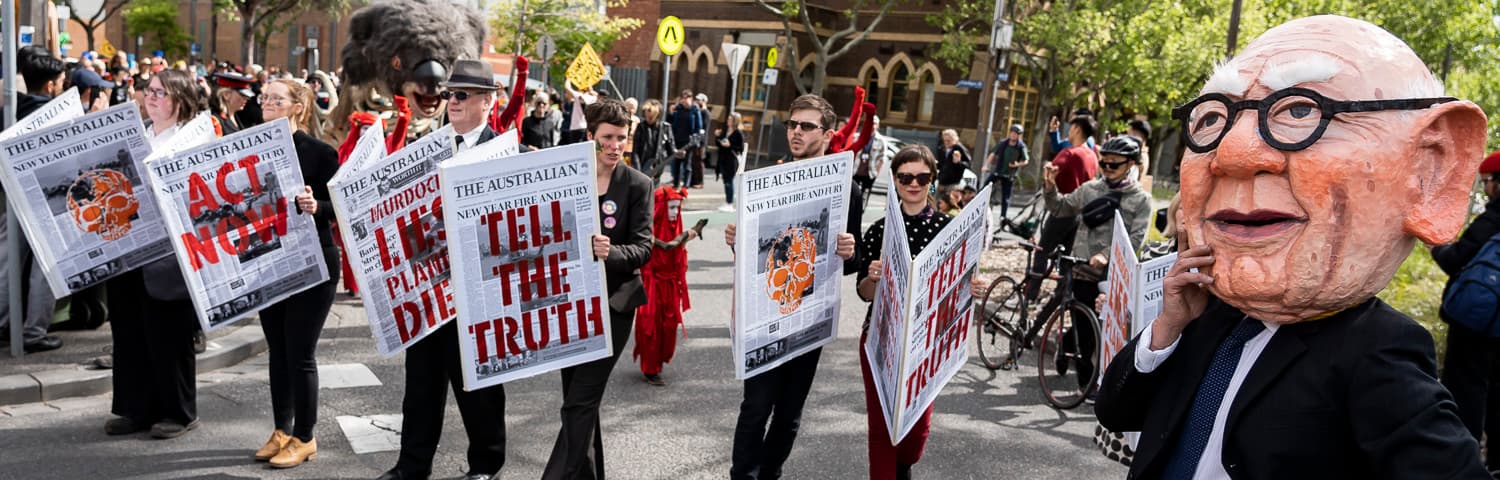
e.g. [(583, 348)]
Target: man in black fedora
[(433, 362)]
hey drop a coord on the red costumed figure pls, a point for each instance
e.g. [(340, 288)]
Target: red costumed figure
[(665, 277), (357, 122)]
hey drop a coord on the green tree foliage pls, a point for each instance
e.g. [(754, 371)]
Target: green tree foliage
[(571, 23), (1142, 57), (157, 21), (854, 26), (259, 19)]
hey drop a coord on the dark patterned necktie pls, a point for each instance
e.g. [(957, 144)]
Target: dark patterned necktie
[(458, 141), (1200, 419)]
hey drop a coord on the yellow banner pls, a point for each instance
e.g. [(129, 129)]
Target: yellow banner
[(106, 50), (586, 69)]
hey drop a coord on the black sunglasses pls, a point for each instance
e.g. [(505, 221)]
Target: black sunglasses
[(1290, 119), (1112, 165), (919, 179), (804, 126), (459, 95)]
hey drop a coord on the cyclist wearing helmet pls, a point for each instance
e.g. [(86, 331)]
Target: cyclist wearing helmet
[(1094, 204)]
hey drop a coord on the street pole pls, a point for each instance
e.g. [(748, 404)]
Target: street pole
[(13, 228), (1234, 29), (761, 142), (982, 138), (522, 28), (734, 92), (666, 80)]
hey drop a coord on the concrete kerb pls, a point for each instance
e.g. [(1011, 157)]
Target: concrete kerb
[(60, 383)]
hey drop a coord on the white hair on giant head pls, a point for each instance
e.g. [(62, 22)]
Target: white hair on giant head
[(1226, 79), (1311, 67)]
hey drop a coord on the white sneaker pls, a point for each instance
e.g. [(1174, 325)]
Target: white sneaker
[(728, 207)]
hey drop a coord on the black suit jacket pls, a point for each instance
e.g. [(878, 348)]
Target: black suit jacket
[(1354, 395), (629, 238)]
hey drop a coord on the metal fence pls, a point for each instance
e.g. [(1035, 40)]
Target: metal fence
[(631, 82)]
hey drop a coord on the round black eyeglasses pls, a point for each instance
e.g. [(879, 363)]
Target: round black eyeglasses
[(1290, 119)]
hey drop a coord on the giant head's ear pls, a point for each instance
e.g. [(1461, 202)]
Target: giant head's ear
[(1448, 146)]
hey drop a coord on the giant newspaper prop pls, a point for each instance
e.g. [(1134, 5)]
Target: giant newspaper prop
[(786, 274), (240, 242), (920, 329), (390, 215), (81, 196), (531, 297), (1133, 293), (60, 109)]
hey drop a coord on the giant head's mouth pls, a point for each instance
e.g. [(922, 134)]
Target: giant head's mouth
[(1254, 225)]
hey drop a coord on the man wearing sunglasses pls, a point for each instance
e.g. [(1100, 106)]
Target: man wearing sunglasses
[(1317, 158), (772, 410), (432, 364)]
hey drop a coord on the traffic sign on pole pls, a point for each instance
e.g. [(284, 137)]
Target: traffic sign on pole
[(670, 36), (769, 78), (734, 57), (546, 47), (771, 57)]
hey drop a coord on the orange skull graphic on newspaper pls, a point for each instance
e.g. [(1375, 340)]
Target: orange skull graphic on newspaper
[(102, 201), (790, 264)]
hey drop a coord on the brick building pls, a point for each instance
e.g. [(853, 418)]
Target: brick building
[(915, 96)]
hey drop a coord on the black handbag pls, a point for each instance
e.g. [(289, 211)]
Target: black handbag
[(1101, 210)]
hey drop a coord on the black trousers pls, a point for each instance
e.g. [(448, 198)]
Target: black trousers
[(1056, 232), (432, 365), (776, 396), (579, 451), (1471, 371), (292, 328), (153, 354)]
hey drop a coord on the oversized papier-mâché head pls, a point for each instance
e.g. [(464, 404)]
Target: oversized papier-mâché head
[(1316, 158)]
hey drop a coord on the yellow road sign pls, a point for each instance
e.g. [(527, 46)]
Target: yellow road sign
[(586, 69), (106, 50), (670, 35), (771, 58)]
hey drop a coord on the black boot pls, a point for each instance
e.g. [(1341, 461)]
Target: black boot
[(903, 471)]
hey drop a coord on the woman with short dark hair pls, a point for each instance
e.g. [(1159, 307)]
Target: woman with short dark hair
[(153, 319)]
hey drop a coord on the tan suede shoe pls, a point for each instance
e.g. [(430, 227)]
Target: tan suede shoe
[(295, 453), (273, 446)]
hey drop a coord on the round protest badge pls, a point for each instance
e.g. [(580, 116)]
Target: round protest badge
[(609, 222), (608, 207)]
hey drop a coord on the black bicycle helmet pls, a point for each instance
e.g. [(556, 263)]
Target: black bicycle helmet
[(1123, 145)]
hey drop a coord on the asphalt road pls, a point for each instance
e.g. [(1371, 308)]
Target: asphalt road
[(985, 426)]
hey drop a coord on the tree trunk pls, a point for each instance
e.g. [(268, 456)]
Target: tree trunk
[(247, 35), (820, 74), (88, 30), (213, 34)]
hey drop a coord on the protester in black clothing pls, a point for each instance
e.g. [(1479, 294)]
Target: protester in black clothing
[(653, 142), (1471, 370), (687, 137), (953, 160), (731, 149), (292, 326), (152, 318), (776, 397), (432, 363), (538, 129), (624, 244)]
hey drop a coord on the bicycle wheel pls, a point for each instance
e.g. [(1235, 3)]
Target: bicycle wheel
[(1067, 362), (1001, 311)]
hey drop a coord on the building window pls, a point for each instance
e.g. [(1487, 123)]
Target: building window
[(872, 88), (1023, 98), (752, 92), (929, 91), (900, 86)]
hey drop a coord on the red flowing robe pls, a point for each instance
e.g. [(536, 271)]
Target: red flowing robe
[(665, 278)]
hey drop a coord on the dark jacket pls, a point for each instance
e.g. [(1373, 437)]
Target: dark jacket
[(734, 151), (685, 122), (537, 132), (1354, 395), (630, 238), (25, 104), (653, 144), (1454, 256), (319, 162), (950, 173)]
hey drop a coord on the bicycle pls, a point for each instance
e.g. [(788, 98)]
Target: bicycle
[(1068, 356)]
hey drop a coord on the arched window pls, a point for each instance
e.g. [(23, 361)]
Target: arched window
[(872, 87), (899, 91), (929, 91)]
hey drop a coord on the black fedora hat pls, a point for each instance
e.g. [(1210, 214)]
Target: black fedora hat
[(471, 74)]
